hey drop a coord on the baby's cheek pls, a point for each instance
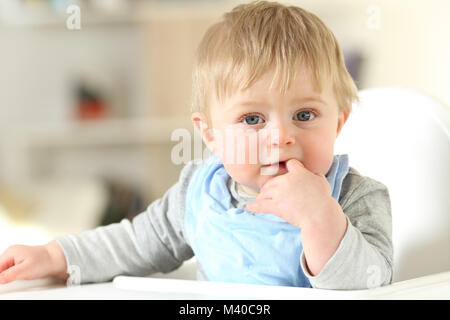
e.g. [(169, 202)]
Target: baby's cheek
[(319, 157), (237, 147), (245, 149), (251, 149), (243, 174)]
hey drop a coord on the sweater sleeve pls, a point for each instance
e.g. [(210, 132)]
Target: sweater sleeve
[(152, 242), (364, 258)]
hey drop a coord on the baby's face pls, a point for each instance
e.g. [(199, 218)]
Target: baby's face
[(301, 124)]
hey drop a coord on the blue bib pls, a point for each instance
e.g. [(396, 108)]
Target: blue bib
[(234, 245)]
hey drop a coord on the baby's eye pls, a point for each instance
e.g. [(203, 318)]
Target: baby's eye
[(253, 119), (304, 116)]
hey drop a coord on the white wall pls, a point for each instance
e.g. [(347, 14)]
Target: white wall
[(38, 63), (410, 47), (38, 66)]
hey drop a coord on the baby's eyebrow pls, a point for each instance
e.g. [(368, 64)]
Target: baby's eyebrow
[(250, 103), (307, 99), (246, 104), (297, 100)]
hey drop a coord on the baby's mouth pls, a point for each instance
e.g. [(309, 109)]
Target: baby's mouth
[(282, 164), (274, 168), (279, 163)]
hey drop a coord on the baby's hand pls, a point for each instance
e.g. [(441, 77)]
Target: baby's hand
[(297, 196), (20, 262)]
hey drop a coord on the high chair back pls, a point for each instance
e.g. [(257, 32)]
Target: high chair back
[(401, 138)]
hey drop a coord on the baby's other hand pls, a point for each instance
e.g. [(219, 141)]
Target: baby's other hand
[(20, 262)]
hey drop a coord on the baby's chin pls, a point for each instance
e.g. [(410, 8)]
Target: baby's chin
[(253, 177), (253, 188)]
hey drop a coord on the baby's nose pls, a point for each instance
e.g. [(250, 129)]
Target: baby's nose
[(282, 135)]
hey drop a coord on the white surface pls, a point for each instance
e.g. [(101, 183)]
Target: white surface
[(431, 287), (401, 138)]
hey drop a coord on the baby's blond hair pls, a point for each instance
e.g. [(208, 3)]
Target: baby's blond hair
[(253, 38)]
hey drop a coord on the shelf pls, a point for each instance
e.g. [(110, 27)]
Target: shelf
[(102, 133)]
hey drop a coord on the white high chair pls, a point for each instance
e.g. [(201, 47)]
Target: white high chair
[(401, 138)]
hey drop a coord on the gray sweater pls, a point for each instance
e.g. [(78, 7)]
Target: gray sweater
[(154, 241)]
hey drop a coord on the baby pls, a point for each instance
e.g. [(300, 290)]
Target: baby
[(267, 77)]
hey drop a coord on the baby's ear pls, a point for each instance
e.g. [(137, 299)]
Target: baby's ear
[(342, 118), (200, 122)]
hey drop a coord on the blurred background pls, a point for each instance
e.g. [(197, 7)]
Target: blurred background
[(91, 90)]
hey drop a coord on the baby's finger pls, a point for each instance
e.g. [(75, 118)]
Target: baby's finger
[(266, 192), (6, 261), (294, 165), (17, 272), (269, 184)]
